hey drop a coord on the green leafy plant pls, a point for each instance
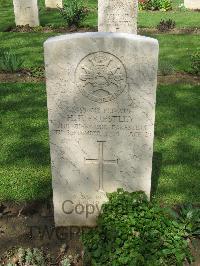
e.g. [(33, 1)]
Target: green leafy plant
[(190, 217), (166, 25), (162, 5), (165, 69), (10, 62), (195, 62), (74, 12), (142, 4), (133, 231)]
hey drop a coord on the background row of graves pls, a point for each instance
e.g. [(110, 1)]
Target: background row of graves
[(25, 160), (51, 17), (26, 12)]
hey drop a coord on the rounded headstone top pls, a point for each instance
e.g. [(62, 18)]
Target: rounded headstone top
[(101, 35)]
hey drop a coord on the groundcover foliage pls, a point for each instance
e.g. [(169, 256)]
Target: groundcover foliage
[(74, 12), (133, 231)]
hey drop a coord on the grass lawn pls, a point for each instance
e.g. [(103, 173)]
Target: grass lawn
[(183, 19), (177, 143), (24, 155), (174, 49)]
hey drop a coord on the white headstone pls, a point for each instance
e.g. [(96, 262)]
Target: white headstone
[(26, 12), (53, 3), (117, 16), (101, 91), (192, 4)]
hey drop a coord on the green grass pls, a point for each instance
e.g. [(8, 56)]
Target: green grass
[(184, 19), (177, 146), (29, 46), (24, 155), (175, 49), (6, 15)]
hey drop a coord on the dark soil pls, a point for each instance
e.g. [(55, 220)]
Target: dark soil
[(47, 29), (143, 31), (179, 77), (26, 77), (62, 29), (19, 77), (32, 226)]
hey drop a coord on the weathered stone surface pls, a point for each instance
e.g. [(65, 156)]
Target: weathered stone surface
[(101, 90), (192, 4), (26, 12), (53, 3), (117, 16)]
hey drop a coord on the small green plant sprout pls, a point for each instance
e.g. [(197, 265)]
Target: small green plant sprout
[(195, 62), (182, 7), (65, 262), (37, 72), (21, 255), (10, 62), (190, 217), (74, 12), (133, 231), (165, 69), (166, 25), (29, 257), (38, 29)]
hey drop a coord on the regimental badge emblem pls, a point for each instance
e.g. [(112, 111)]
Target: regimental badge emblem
[(101, 77)]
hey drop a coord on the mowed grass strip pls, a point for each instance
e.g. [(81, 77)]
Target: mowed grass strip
[(174, 49), (25, 161), (183, 19), (177, 145), (24, 155)]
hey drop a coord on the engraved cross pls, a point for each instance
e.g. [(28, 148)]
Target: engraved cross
[(101, 162)]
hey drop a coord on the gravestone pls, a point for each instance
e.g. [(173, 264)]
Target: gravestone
[(192, 4), (26, 12), (53, 3), (117, 16), (101, 92)]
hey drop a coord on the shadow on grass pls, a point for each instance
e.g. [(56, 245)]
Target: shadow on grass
[(156, 168), (177, 140), (25, 157), (28, 46)]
